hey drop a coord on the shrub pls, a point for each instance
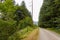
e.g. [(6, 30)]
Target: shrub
[(6, 29)]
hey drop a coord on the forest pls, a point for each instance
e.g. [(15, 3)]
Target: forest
[(15, 20), (50, 15)]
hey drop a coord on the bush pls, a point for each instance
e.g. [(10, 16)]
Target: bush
[(25, 22), (21, 34), (6, 29)]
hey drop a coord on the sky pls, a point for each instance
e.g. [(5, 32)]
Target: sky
[(36, 7)]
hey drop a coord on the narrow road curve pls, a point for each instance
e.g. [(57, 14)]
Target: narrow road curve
[(47, 35)]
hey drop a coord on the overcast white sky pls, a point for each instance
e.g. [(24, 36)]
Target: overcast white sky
[(36, 7)]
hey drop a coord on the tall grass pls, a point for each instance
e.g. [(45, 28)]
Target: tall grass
[(21, 34)]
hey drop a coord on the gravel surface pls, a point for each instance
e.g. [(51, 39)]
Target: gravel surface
[(47, 35)]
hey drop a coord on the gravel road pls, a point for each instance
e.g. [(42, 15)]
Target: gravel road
[(47, 35)]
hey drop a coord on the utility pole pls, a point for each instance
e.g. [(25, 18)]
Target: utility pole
[(32, 8)]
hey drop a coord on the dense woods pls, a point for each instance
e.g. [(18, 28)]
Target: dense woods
[(13, 18), (50, 14)]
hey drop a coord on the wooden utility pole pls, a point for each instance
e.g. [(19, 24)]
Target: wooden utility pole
[(32, 8)]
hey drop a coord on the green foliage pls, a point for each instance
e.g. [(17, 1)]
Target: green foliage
[(26, 22), (6, 29), (21, 34), (13, 18), (50, 14)]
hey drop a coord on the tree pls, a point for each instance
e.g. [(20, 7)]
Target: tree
[(11, 17), (49, 14)]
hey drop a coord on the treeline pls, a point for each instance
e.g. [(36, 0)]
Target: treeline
[(50, 14), (13, 18)]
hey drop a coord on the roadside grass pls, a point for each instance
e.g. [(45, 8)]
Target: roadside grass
[(55, 30), (33, 35), (22, 34)]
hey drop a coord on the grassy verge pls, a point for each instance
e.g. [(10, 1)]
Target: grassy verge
[(33, 35), (55, 30), (22, 34)]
